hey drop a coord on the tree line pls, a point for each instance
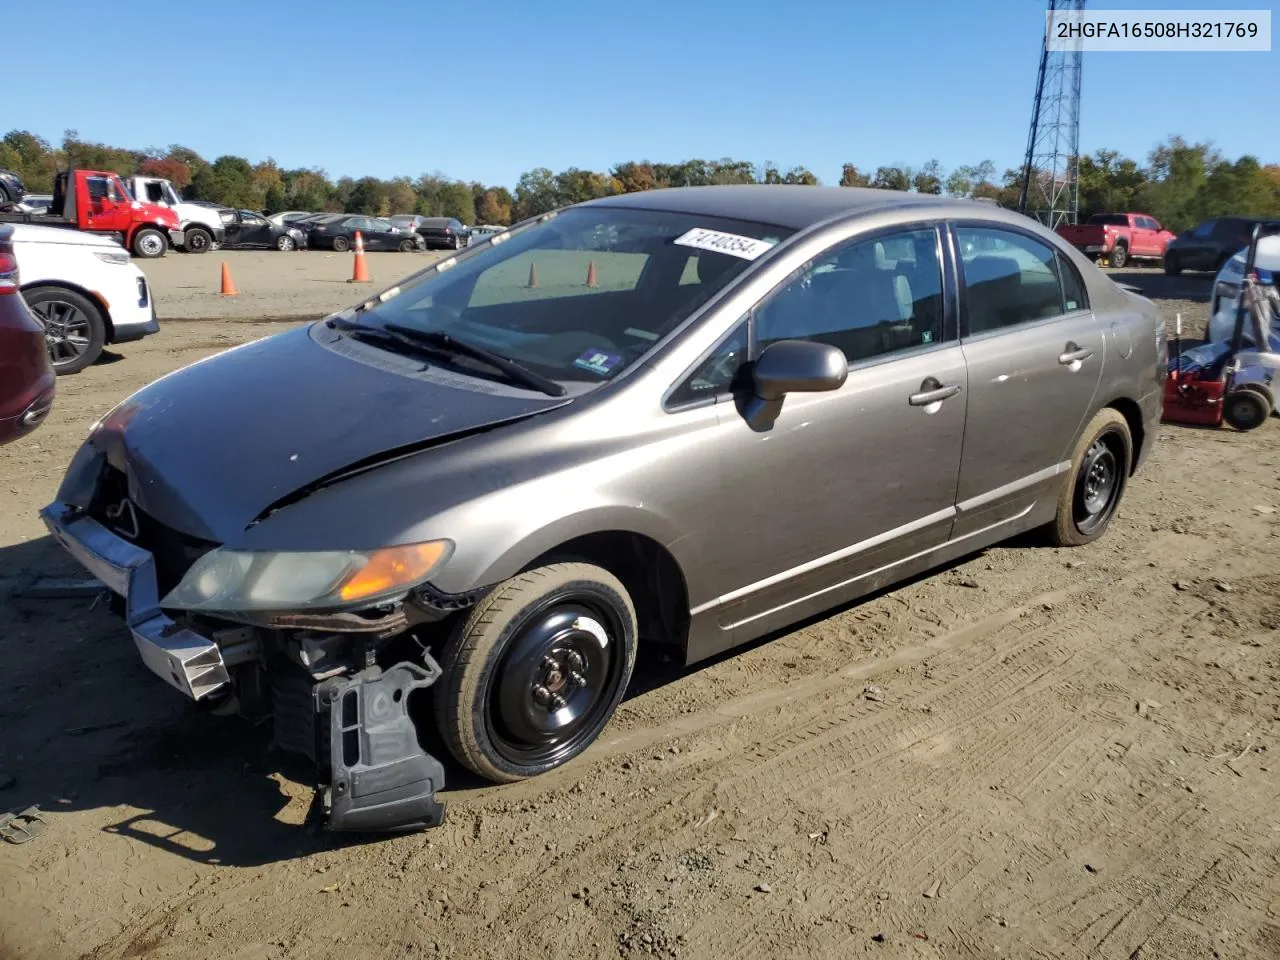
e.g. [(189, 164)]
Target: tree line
[(1179, 183)]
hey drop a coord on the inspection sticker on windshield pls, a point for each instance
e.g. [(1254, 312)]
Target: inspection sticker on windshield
[(597, 361), (747, 248)]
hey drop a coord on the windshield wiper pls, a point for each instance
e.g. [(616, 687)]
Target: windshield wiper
[(442, 342)]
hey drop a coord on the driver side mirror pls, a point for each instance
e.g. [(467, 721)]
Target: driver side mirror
[(792, 366)]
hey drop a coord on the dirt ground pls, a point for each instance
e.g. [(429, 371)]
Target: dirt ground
[(1075, 753)]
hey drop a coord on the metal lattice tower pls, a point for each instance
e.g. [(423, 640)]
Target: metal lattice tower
[(1050, 191)]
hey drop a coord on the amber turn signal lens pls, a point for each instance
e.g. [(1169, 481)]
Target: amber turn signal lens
[(392, 568)]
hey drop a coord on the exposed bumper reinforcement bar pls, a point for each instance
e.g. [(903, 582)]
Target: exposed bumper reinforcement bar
[(182, 658), (380, 777)]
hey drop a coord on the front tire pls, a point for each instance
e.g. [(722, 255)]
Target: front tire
[(406, 246), (149, 243), (341, 244), (1100, 466), (1172, 267), (285, 244), (198, 240), (535, 672), (74, 329)]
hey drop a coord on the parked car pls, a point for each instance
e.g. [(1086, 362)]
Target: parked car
[(37, 203), (12, 189), (447, 233), (338, 233), (1119, 237), (776, 400), (1225, 293), (482, 230), (1208, 245), (84, 289), (27, 380), (289, 217), (248, 230)]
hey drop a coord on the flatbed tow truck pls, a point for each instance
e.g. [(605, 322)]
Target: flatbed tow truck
[(96, 201)]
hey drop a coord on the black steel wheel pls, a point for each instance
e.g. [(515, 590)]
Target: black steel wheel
[(1100, 468), (74, 330), (536, 671), (1246, 409)]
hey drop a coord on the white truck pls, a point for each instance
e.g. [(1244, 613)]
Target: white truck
[(202, 228)]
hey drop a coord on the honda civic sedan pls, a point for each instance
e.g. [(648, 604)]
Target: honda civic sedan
[(687, 417)]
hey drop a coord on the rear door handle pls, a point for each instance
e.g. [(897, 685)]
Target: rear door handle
[(935, 394), (1076, 355)]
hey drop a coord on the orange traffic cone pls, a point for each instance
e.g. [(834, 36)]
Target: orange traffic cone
[(591, 274), (533, 275), (228, 285), (360, 273)]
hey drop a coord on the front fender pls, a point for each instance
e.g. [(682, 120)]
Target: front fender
[(484, 564)]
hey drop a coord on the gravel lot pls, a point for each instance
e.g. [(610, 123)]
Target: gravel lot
[(1074, 755)]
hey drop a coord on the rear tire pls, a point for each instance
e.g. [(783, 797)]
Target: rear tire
[(198, 240), (1119, 256), (1246, 409), (341, 244), (149, 243), (285, 243), (1100, 466), (536, 671), (75, 330)]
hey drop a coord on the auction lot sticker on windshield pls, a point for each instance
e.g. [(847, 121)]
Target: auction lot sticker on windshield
[(747, 248), (598, 361)]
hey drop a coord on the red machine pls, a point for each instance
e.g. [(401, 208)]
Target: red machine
[(1213, 392)]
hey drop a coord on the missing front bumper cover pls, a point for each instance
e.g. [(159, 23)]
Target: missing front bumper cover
[(380, 777)]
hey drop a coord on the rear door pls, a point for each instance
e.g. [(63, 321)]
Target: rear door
[(1034, 351)]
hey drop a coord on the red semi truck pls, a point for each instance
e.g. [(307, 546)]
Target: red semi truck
[(96, 201), (1120, 237)]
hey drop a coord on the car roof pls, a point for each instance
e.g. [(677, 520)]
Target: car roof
[(783, 205)]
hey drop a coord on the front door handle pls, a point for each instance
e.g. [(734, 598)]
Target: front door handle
[(933, 392), (1074, 355)]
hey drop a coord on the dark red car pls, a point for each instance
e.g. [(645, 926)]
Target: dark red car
[(26, 376)]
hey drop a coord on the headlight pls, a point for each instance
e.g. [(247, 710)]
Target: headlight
[(109, 256), (234, 580)]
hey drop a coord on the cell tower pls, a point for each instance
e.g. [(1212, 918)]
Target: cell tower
[(1049, 189)]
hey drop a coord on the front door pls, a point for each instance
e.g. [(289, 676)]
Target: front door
[(255, 231), (1034, 352), (847, 482)]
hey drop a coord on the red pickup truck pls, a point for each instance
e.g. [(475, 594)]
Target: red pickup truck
[(97, 202), (1120, 237)]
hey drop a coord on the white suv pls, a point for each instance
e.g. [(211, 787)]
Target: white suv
[(85, 289)]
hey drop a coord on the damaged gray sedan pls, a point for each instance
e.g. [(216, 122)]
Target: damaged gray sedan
[(686, 417)]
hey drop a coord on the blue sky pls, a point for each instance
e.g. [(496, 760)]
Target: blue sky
[(485, 89)]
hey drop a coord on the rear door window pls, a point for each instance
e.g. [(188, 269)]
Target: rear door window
[(1011, 278)]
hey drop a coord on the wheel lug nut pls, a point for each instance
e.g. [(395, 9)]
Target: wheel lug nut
[(575, 660), (577, 679), (557, 701), (541, 693)]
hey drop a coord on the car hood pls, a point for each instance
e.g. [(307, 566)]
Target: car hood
[(214, 446), (161, 215)]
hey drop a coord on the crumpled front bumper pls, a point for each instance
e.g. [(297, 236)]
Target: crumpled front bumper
[(379, 777)]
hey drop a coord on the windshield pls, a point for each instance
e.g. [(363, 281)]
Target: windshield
[(169, 195), (584, 295)]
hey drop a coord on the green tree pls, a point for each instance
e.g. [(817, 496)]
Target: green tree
[(456, 201), (851, 176), (928, 179), (535, 193), (892, 178)]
